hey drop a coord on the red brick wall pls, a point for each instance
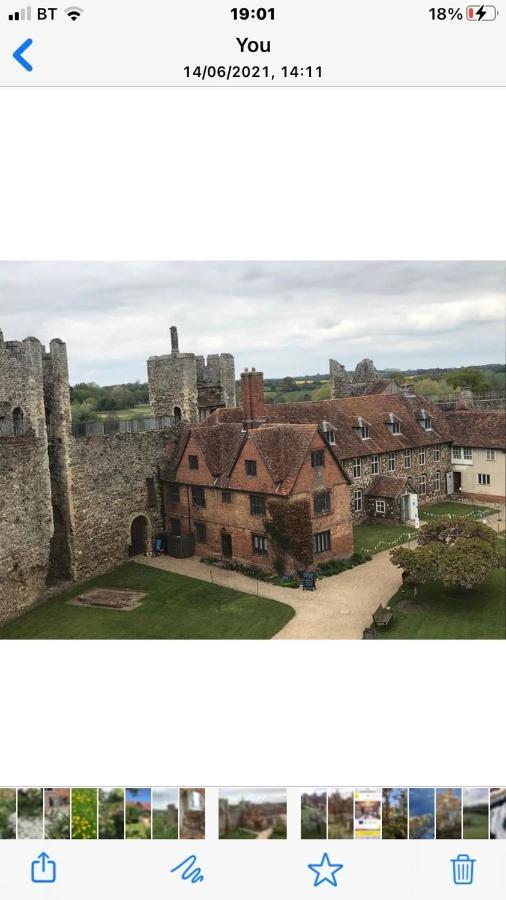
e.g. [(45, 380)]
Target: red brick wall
[(235, 518), (329, 477), (252, 395)]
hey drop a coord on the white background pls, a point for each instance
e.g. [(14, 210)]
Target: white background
[(308, 174)]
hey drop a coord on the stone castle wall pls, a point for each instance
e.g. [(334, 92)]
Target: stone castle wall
[(109, 490), (351, 384), (26, 523), (66, 503), (26, 519)]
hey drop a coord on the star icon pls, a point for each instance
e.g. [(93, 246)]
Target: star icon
[(325, 871)]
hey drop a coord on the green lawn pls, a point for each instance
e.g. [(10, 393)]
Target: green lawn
[(377, 536), (452, 508), (177, 608), (450, 613)]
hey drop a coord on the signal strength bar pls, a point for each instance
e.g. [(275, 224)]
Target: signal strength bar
[(22, 15)]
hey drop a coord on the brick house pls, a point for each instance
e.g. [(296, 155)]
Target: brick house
[(479, 453), (223, 474), (393, 448)]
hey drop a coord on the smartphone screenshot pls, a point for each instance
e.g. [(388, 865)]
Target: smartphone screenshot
[(252, 450)]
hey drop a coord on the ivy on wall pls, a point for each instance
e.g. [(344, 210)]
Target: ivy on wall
[(289, 529)]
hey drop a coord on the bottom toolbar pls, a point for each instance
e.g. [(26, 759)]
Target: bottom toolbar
[(252, 841), (226, 871)]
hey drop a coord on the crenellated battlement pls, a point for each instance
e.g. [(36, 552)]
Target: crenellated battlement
[(190, 386)]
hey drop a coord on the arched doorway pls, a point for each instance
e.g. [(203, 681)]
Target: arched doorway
[(177, 413), (138, 535)]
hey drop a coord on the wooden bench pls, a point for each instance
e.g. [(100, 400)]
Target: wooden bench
[(382, 617)]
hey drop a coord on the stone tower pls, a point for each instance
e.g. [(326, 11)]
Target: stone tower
[(187, 386), (364, 380), (26, 518)]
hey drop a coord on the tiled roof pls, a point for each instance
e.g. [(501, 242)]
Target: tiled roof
[(283, 449), (379, 386), (390, 486), (220, 445), (478, 428), (343, 414)]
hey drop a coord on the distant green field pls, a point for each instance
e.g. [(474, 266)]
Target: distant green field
[(136, 412)]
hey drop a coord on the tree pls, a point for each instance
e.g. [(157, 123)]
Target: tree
[(468, 377), (323, 392), (288, 384), (427, 387), (458, 552)]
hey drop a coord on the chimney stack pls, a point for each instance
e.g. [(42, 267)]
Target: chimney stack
[(252, 398), (465, 400), (174, 339)]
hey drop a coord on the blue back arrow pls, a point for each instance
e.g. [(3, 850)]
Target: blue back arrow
[(18, 55)]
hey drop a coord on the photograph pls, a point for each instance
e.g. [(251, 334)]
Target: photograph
[(138, 813), (313, 814), (7, 814), (340, 813), (448, 813), (30, 814), (367, 823), (475, 804), (111, 814), (421, 814), (192, 813), (165, 814), (57, 813), (498, 813), (394, 814), (387, 380), (253, 813), (84, 814)]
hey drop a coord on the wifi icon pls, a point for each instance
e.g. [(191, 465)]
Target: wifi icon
[(74, 12)]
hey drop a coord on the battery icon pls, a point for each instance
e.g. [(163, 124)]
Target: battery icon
[(481, 13)]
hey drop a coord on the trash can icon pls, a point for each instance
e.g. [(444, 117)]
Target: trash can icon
[(463, 869)]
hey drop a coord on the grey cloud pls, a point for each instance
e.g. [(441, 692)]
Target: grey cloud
[(283, 317)]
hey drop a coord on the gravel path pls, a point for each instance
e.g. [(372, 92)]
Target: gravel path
[(340, 607)]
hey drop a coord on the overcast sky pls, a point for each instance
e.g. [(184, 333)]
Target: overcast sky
[(254, 795), (283, 318)]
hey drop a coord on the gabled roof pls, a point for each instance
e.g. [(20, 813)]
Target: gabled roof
[(342, 415), (220, 445), (283, 449), (478, 428), (391, 486)]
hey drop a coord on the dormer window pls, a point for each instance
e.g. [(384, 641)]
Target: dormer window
[(362, 429), (425, 421), (329, 433), (394, 424)]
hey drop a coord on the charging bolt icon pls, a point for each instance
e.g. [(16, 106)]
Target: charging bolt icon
[(481, 13)]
